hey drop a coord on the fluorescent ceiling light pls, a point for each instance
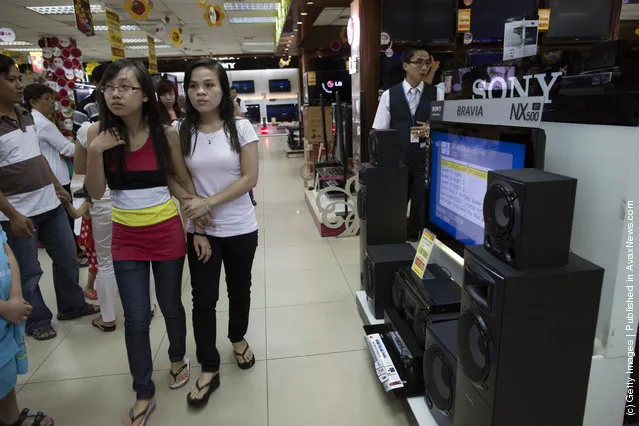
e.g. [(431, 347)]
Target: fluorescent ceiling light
[(304, 13), (257, 43), (159, 46), (16, 43), (24, 49), (122, 27), (62, 10), (138, 40), (254, 20), (250, 6)]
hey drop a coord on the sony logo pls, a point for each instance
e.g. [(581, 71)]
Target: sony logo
[(470, 111), (228, 65), (436, 108), (480, 87)]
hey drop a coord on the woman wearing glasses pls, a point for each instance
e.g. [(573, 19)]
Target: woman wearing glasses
[(140, 158)]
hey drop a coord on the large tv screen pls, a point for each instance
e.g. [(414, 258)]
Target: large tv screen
[(579, 20), (426, 21), (488, 17), (461, 156), (282, 112), (279, 85), (245, 86)]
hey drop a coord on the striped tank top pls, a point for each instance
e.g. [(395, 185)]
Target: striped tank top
[(146, 222)]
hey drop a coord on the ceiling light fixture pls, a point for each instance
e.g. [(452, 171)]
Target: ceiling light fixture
[(122, 28), (62, 10), (25, 49), (143, 47), (257, 43), (16, 43), (304, 13), (299, 22), (296, 29), (254, 20), (231, 7), (138, 40)]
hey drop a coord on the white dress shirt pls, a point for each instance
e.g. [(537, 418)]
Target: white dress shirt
[(383, 115), (53, 145), (243, 107)]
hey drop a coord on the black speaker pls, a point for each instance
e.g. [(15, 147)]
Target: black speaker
[(383, 146), (440, 370), (528, 217), (381, 207), (380, 265), (525, 342)]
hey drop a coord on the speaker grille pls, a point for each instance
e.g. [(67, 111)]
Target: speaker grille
[(474, 348), (439, 379)]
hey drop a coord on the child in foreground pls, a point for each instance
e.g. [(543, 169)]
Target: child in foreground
[(14, 310)]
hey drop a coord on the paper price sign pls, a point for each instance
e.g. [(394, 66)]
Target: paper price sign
[(463, 20), (423, 253), (544, 19)]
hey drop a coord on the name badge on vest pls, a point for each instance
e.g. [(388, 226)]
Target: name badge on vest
[(414, 138)]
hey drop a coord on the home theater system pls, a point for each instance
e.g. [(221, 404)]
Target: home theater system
[(512, 343)]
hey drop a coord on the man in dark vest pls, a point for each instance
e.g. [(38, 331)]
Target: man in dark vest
[(406, 107)]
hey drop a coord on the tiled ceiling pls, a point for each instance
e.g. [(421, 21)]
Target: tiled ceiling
[(337, 16), (199, 38)]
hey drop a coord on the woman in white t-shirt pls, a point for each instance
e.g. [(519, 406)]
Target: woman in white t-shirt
[(221, 153)]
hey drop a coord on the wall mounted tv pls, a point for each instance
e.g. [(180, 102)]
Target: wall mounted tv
[(461, 156), (282, 112), (579, 20), (426, 21), (245, 86), (488, 17), (282, 85)]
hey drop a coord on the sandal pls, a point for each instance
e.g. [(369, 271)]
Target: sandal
[(98, 324), (37, 419), (145, 414), (86, 311), (213, 384), (175, 375), (46, 332), (245, 365)]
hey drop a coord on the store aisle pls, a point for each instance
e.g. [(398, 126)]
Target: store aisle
[(312, 364)]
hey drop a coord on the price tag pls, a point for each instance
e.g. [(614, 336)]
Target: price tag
[(463, 20), (544, 19), (423, 253)]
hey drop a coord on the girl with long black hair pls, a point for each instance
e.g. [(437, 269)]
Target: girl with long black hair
[(222, 156), (169, 106), (139, 157)]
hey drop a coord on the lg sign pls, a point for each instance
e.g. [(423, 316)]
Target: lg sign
[(330, 85)]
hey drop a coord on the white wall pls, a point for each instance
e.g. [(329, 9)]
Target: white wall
[(261, 78)]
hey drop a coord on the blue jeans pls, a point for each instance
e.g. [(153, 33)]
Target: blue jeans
[(133, 283), (52, 230)]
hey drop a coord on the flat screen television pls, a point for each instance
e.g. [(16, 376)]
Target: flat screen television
[(327, 83), (245, 86), (282, 112), (461, 156), (579, 20), (81, 91), (488, 17), (281, 85), (427, 21), (253, 113)]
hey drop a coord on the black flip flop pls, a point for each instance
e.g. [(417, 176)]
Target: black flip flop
[(146, 413), (245, 365), (213, 384), (85, 312), (46, 332), (37, 419)]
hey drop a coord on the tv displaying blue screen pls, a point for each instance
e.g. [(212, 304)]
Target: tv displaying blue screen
[(279, 86), (459, 167), (282, 112), (245, 86)]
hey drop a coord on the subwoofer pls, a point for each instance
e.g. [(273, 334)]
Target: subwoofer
[(383, 147), (440, 370), (528, 217), (525, 342)]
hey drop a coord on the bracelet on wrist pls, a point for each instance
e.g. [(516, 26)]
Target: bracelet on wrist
[(200, 234)]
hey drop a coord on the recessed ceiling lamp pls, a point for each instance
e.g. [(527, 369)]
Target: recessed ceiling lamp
[(16, 43), (304, 13), (299, 22), (310, 2), (254, 20), (137, 40), (144, 47), (62, 10), (26, 49), (233, 7), (257, 43), (296, 29), (122, 28)]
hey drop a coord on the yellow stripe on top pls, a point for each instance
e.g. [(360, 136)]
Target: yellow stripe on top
[(145, 217)]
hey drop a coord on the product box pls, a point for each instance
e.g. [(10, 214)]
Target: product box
[(312, 151), (312, 116)]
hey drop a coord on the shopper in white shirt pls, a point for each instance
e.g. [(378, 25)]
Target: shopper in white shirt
[(242, 106), (222, 156), (56, 148)]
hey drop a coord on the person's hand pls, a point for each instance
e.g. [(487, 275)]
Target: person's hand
[(22, 226), (17, 310), (107, 140), (422, 131), (63, 195), (202, 248), (203, 222), (195, 208), (434, 65)]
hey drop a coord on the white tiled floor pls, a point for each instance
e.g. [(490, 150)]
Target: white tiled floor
[(312, 364)]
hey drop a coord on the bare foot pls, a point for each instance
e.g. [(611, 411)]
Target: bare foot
[(239, 348), (204, 381), (183, 375), (136, 412)]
